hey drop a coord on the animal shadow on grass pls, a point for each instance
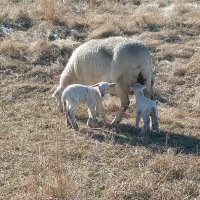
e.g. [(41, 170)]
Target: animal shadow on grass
[(125, 134)]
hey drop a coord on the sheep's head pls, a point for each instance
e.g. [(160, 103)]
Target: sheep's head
[(103, 87), (137, 88)]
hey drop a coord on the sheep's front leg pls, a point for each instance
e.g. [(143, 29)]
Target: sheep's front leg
[(71, 114), (57, 94), (92, 116), (149, 84)]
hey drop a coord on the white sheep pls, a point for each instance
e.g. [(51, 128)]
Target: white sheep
[(118, 60), (145, 107), (76, 94)]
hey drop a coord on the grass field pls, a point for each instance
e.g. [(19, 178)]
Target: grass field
[(42, 159)]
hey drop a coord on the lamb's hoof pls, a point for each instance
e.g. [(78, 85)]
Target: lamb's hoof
[(91, 123), (158, 132), (76, 128), (102, 120), (143, 133), (144, 138), (137, 128), (115, 122), (69, 126)]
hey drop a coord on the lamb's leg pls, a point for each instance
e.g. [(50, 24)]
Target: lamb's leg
[(149, 85), (92, 116), (146, 127), (100, 111), (154, 119), (65, 108), (69, 123), (137, 121), (71, 114), (123, 95)]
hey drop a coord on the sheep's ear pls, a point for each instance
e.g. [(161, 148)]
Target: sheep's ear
[(111, 84), (95, 85)]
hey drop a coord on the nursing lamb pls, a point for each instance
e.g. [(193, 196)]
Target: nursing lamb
[(145, 107), (116, 59), (76, 94)]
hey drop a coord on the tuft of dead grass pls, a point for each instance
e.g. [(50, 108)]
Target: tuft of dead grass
[(14, 49), (44, 52)]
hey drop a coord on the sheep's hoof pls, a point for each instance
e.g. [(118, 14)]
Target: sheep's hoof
[(60, 109)]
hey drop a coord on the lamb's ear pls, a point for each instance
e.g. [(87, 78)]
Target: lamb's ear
[(131, 89), (144, 87), (111, 84), (95, 85)]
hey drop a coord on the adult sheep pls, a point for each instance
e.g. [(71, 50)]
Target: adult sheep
[(120, 60)]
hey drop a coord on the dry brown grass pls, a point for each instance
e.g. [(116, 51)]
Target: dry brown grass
[(42, 159)]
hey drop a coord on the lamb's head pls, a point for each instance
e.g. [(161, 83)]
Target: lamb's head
[(103, 87), (137, 88)]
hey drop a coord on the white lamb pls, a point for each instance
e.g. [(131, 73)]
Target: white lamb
[(76, 94), (145, 107)]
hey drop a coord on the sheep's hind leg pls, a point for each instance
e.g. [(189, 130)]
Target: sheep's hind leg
[(124, 103)]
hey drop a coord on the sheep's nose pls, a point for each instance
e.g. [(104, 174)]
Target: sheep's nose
[(102, 95)]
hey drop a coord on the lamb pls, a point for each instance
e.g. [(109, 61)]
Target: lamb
[(76, 94), (145, 107), (118, 60)]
